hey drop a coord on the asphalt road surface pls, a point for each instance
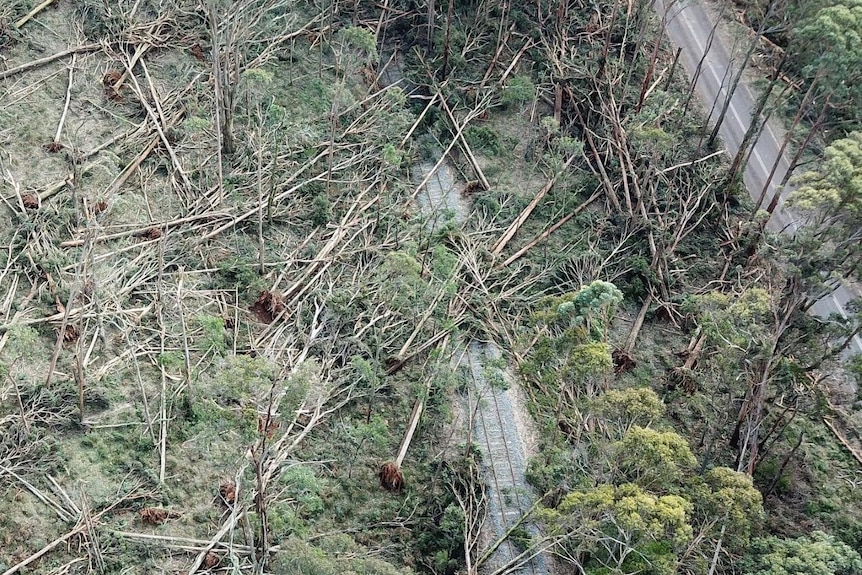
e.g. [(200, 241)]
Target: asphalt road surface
[(689, 26)]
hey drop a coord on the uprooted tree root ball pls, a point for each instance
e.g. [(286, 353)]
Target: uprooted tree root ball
[(227, 492), (391, 477), (154, 516), (267, 306)]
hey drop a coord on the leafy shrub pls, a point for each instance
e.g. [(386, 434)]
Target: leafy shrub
[(816, 554), (483, 138), (213, 337), (239, 378), (519, 91), (321, 210)]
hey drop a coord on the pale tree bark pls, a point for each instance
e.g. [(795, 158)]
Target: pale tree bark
[(738, 77)]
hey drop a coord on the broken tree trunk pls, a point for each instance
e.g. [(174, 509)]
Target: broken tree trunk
[(464, 145), (550, 230), (857, 455), (636, 328)]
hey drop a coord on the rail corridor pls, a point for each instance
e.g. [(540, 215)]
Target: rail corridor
[(496, 420), (496, 429)]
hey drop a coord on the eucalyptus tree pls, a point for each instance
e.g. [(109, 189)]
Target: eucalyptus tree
[(814, 554), (829, 46)]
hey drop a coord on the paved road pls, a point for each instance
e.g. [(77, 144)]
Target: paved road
[(688, 27)]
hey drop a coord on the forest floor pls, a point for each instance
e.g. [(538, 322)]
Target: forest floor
[(207, 355), (181, 330)]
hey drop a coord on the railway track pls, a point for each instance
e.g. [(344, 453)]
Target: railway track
[(494, 423), (495, 429)]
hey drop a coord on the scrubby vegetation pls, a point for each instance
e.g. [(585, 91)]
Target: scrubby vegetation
[(227, 300)]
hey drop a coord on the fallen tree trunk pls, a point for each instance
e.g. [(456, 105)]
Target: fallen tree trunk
[(391, 476), (550, 230), (513, 228)]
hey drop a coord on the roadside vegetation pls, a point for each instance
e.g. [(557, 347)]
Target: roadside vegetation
[(227, 323)]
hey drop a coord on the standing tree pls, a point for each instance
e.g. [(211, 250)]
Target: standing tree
[(832, 194), (828, 251), (355, 46), (620, 529), (830, 47), (831, 199)]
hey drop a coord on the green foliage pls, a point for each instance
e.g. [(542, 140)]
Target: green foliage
[(391, 156), (831, 196), (237, 273), (257, 84), (834, 189), (401, 282), (518, 92), (653, 459), (119, 453), (22, 342), (592, 307), (623, 527), (448, 540), (171, 360), (196, 124), (440, 542), (395, 97), (365, 438), (301, 490), (366, 375), (855, 367), (734, 319), (315, 95), (297, 385), (321, 210), (362, 41), (257, 76), (283, 521), (831, 42), (443, 262), (645, 133), (213, 333), (494, 376), (816, 554), (633, 406), (552, 469), (238, 378), (589, 359), (550, 126), (727, 505), (483, 138), (767, 470), (571, 353)]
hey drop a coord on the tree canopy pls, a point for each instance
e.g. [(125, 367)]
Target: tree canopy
[(833, 190), (831, 43), (817, 554)]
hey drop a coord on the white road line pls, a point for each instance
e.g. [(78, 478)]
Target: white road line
[(716, 46), (684, 23)]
